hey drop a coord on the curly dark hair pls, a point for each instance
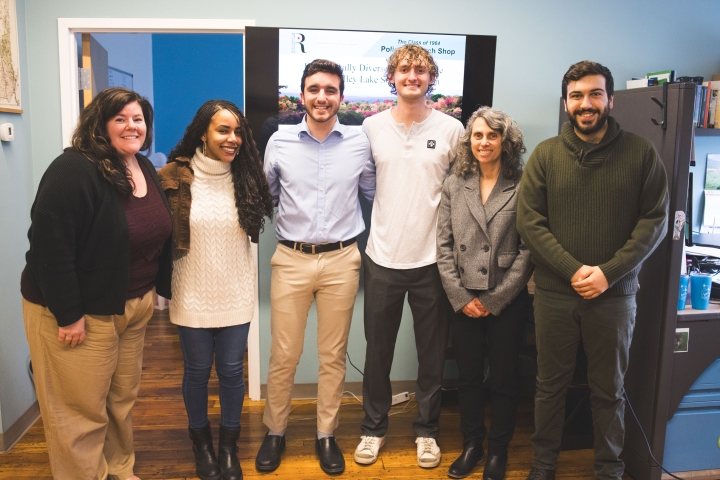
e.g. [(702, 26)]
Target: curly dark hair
[(252, 194), (513, 146), (585, 68), (91, 135), (415, 55)]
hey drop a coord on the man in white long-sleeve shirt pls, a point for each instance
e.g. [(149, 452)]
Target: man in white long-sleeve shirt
[(412, 146)]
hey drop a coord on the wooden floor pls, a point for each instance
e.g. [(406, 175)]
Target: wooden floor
[(163, 449)]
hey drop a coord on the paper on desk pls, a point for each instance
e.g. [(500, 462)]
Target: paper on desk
[(706, 251), (711, 213)]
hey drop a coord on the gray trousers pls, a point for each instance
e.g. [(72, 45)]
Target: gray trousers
[(605, 325), (385, 290)]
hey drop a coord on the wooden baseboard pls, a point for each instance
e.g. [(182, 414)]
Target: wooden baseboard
[(10, 437), (695, 475), (309, 390)]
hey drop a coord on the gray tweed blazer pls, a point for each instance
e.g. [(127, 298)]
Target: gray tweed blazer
[(479, 252)]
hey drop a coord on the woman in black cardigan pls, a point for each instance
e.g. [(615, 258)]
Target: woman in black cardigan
[(100, 242)]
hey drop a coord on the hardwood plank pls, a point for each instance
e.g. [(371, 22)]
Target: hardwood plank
[(164, 451)]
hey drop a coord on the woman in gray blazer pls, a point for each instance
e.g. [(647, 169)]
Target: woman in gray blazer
[(485, 268)]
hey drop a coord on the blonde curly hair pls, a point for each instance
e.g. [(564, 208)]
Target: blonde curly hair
[(415, 55)]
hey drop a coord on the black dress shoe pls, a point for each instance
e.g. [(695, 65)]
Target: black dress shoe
[(541, 474), (495, 467), (471, 455), (268, 457), (331, 458)]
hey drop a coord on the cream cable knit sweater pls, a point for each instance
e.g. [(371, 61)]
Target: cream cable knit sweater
[(214, 284)]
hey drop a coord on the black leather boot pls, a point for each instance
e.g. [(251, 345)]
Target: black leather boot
[(227, 454), (495, 466), (206, 462), (471, 455)]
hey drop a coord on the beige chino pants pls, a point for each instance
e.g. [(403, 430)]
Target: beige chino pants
[(332, 280), (86, 393)]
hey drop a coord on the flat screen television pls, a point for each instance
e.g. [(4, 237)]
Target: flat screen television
[(276, 58)]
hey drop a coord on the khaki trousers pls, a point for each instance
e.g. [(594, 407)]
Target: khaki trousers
[(332, 279), (86, 393)]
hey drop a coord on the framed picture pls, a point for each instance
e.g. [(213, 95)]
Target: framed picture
[(9, 59), (682, 340)]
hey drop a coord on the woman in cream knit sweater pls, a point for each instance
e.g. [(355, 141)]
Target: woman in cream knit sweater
[(218, 197)]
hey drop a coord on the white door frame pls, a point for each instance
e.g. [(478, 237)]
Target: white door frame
[(70, 106)]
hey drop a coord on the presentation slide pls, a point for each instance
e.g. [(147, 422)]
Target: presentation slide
[(363, 57)]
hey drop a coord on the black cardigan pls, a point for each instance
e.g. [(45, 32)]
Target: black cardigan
[(79, 241)]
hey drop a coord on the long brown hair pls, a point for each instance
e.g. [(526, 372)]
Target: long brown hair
[(91, 136), (252, 194)]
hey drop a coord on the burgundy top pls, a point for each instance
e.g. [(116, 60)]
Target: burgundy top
[(149, 224)]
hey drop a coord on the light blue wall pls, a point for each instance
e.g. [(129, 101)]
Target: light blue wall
[(16, 193), (537, 41), (188, 71), (132, 53)]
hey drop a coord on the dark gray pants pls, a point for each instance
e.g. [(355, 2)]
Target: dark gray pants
[(501, 337), (385, 290), (605, 325)]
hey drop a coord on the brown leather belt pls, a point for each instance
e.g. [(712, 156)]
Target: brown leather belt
[(311, 249)]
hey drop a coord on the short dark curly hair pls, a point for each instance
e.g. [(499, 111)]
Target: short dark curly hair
[(415, 55), (513, 146), (583, 69), (326, 66)]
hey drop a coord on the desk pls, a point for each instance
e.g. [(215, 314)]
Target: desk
[(692, 315), (703, 350)]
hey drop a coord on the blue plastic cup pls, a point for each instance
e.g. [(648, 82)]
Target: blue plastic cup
[(700, 290), (682, 294)]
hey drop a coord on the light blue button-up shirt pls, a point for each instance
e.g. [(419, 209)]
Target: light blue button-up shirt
[(315, 184)]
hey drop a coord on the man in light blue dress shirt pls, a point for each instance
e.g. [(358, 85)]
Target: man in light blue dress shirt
[(315, 171)]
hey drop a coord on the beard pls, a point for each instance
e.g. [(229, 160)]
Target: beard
[(592, 128), (332, 112)]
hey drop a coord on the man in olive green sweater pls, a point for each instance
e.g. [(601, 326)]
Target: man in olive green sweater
[(592, 207)]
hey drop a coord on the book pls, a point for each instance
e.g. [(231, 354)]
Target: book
[(636, 83), (712, 106), (702, 106), (663, 76), (711, 102), (698, 103)]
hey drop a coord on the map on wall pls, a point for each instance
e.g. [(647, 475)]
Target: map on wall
[(9, 59)]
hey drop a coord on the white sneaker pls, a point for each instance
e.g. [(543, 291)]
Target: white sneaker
[(428, 453), (367, 452)]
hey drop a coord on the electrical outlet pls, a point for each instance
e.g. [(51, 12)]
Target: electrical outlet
[(400, 398)]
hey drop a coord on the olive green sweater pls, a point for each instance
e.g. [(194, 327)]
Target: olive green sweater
[(599, 205)]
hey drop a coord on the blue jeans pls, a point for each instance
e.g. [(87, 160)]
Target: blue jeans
[(198, 345)]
